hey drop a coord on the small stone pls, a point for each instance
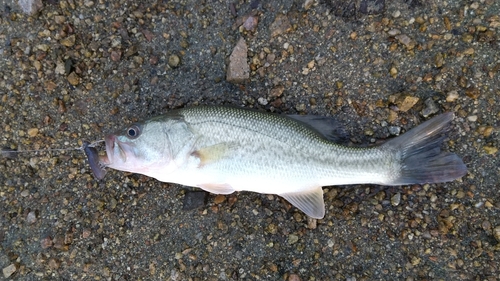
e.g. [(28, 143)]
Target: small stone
[(293, 277), (490, 149), (251, 23), (31, 217), (238, 70), (219, 199), (68, 41), (407, 41), (496, 233), (173, 61), (30, 7), (394, 32), (277, 91), (262, 101), (394, 72), (308, 4), (394, 130), (452, 96), (194, 199), (9, 270), (405, 103), (292, 239), (472, 118), (116, 55), (46, 242), (311, 223), (32, 132), (396, 199), (54, 264), (25, 193), (439, 60), (73, 79), (430, 108), (280, 25), (472, 92)]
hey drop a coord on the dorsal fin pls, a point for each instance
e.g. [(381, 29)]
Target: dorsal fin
[(328, 127)]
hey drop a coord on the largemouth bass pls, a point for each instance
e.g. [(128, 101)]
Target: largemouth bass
[(225, 149)]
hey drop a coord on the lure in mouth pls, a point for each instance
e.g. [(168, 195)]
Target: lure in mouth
[(95, 160)]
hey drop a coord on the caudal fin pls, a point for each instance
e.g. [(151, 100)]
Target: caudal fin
[(421, 158)]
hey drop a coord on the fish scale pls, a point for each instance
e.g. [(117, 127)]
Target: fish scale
[(225, 149)]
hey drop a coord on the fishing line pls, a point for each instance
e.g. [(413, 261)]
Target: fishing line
[(12, 153)]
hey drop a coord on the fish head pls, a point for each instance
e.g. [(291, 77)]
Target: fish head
[(138, 148)]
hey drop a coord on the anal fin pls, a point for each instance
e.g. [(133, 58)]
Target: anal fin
[(310, 201)]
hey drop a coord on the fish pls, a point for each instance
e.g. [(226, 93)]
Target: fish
[(224, 149)]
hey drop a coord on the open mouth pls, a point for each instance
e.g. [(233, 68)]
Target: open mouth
[(105, 160)]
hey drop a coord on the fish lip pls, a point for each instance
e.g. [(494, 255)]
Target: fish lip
[(110, 141)]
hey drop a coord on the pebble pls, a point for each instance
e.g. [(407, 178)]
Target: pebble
[(394, 130), (174, 61), (430, 108), (294, 277), (404, 102), (406, 40), (68, 41), (9, 270), (194, 199), (250, 23), (32, 132), (472, 118), (219, 199), (490, 149), (30, 7), (73, 79), (277, 91), (280, 25), (496, 233), (31, 217), (452, 96), (292, 239), (238, 70)]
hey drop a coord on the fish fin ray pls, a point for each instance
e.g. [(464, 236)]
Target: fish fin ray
[(310, 202), (217, 188), (420, 155), (328, 127)]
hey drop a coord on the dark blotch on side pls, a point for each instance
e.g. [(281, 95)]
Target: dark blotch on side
[(93, 158)]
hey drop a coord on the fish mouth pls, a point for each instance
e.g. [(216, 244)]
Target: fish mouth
[(110, 147)]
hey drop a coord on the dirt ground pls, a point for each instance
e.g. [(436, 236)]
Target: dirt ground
[(76, 70)]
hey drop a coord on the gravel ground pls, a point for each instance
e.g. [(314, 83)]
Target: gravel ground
[(75, 70)]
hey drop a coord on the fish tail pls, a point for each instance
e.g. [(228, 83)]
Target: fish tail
[(420, 156)]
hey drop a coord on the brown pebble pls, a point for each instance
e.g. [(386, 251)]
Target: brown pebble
[(116, 55), (280, 25), (173, 61), (294, 277), (277, 91), (472, 92), (68, 41), (73, 79), (32, 132), (219, 199), (46, 242)]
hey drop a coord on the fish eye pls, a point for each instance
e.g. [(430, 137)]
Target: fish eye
[(133, 131)]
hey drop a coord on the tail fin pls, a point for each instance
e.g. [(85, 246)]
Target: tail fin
[(420, 155)]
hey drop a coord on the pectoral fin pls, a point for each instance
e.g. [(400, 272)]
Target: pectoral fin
[(310, 202), (213, 153), (217, 188)]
